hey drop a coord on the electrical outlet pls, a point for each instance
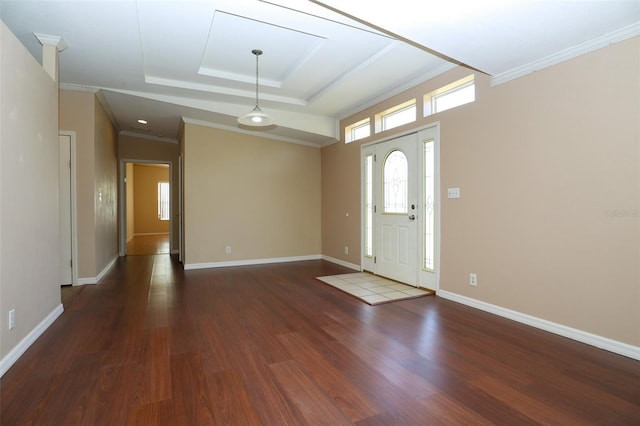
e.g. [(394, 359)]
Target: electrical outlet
[(12, 319), (228, 250), (346, 249), (473, 280)]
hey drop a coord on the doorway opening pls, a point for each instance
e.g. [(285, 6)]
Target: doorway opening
[(146, 213)]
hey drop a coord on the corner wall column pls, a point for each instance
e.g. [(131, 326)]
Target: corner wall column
[(51, 46)]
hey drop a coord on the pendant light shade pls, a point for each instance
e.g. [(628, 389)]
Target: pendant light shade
[(256, 117)]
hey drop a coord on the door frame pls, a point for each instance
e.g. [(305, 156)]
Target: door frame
[(123, 200), (74, 213), (437, 227)]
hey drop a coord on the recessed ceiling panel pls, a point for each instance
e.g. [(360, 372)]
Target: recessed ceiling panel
[(232, 38)]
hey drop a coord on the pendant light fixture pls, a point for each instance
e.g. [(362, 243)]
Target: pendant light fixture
[(256, 118)]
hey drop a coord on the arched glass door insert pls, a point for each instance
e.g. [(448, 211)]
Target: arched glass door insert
[(395, 182)]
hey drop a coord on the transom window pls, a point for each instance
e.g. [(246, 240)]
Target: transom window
[(396, 116), (450, 96), (358, 130)]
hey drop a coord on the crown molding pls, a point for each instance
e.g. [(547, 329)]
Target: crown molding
[(99, 94), (441, 69), (79, 88), (51, 40), (249, 132), (150, 137), (566, 54)]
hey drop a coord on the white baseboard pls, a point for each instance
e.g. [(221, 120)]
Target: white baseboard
[(150, 233), (552, 327), (189, 266), (21, 348), (96, 280), (342, 263)]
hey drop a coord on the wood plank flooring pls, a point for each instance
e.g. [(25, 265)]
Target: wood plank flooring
[(270, 345), (148, 244)]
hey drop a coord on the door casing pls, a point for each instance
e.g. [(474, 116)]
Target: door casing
[(67, 140), (428, 279)]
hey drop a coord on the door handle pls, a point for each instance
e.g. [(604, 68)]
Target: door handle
[(412, 217)]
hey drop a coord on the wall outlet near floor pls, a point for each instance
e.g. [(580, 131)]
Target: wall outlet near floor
[(346, 249), (473, 279), (12, 319), (227, 250)]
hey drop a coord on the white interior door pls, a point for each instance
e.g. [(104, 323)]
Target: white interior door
[(66, 269)]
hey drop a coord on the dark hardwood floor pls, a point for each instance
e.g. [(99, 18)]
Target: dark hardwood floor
[(155, 345), (148, 244)]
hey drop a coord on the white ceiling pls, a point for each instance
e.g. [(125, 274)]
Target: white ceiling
[(163, 60)]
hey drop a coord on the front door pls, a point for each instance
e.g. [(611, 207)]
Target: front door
[(400, 208), (395, 211)]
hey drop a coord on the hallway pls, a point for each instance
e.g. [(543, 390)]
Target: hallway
[(148, 244)]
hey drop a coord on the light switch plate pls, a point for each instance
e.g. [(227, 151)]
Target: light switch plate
[(453, 193)]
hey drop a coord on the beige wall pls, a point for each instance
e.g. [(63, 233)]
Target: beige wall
[(341, 196), (548, 166), (76, 114), (106, 188), (257, 195), (130, 190), (96, 180), (29, 228), (132, 148), (146, 219)]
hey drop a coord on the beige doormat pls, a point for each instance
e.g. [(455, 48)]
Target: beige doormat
[(373, 289)]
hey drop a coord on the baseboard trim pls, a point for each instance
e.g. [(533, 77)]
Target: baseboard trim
[(7, 362), (96, 280), (189, 266), (342, 263), (552, 327), (150, 233)]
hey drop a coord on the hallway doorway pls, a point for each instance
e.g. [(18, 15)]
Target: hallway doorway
[(146, 213)]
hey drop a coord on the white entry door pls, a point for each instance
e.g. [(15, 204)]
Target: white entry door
[(400, 208), (66, 270), (395, 211)]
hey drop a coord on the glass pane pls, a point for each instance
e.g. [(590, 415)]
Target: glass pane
[(398, 118), (454, 98), (429, 206), (360, 132), (395, 182), (368, 229), (357, 130), (163, 200)]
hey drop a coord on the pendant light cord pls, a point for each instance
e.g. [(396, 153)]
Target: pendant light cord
[(257, 52)]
